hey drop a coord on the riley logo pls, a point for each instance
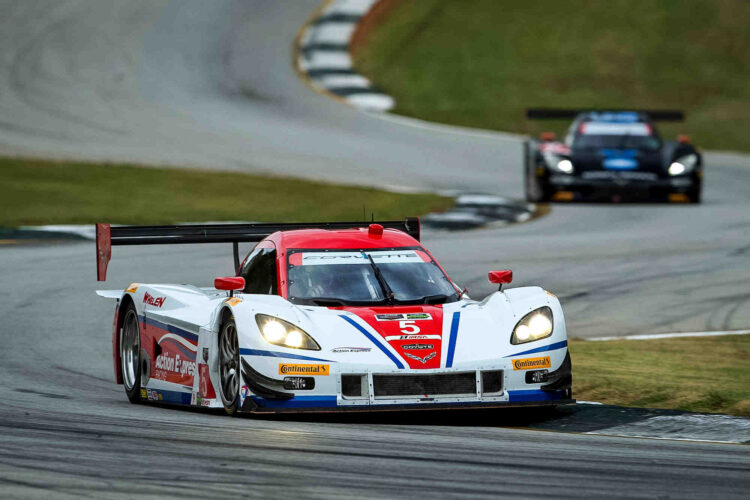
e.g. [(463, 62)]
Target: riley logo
[(153, 301), (421, 360)]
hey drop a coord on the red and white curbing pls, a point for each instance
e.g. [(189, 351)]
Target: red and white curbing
[(323, 55)]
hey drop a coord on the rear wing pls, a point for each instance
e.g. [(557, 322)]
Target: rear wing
[(662, 115), (108, 236)]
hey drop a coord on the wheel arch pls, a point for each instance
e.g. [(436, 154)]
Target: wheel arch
[(126, 301)]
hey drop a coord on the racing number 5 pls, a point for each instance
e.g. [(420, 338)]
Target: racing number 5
[(408, 326)]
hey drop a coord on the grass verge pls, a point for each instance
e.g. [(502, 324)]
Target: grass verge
[(480, 63), (46, 192), (707, 374)]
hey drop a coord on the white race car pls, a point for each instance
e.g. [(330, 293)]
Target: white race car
[(332, 317)]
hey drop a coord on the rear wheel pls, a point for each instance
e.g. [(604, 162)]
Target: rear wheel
[(130, 359), (536, 189), (229, 366)]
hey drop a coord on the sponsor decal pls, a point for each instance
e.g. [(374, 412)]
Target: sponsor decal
[(244, 393), (351, 349), (412, 337), (421, 360), (173, 363), (329, 258), (531, 363), (304, 369), (551, 294), (206, 388), (153, 301), (233, 301), (402, 317), (143, 393), (132, 288), (153, 395), (412, 347)]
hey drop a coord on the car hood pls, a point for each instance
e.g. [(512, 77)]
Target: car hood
[(585, 159)]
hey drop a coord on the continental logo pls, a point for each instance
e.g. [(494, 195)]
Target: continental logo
[(531, 363), (304, 369), (233, 301), (132, 289)]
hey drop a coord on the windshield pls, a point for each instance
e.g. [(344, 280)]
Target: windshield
[(365, 277), (643, 142)]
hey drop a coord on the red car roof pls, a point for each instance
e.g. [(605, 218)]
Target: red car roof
[(342, 239)]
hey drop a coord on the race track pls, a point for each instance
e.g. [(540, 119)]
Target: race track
[(210, 84)]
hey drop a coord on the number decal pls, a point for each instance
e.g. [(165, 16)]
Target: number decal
[(408, 327)]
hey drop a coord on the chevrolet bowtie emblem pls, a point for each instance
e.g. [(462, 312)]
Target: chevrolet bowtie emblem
[(421, 360)]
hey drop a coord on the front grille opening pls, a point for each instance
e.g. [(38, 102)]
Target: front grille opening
[(492, 381), (424, 385), (351, 386)]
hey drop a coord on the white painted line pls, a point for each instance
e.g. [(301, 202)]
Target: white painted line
[(338, 33), (325, 59), (334, 81), (481, 199), (672, 335), (372, 102)]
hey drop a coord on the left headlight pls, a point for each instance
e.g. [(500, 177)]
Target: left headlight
[(534, 326), (279, 332), (558, 163), (683, 165)]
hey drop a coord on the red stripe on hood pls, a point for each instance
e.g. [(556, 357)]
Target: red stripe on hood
[(415, 332)]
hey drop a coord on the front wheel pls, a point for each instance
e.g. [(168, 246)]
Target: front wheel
[(130, 358), (694, 194), (229, 366)]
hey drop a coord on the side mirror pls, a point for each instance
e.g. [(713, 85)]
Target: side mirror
[(230, 283), (547, 136), (500, 277), (683, 139)]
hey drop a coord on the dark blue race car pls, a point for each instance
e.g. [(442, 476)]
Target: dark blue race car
[(612, 155)]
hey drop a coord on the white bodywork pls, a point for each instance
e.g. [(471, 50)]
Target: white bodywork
[(181, 325)]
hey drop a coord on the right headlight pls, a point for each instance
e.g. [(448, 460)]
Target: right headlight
[(683, 165), (536, 325), (279, 332)]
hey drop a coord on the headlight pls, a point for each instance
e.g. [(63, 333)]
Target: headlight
[(534, 326), (683, 165), (565, 166), (279, 332), (558, 164)]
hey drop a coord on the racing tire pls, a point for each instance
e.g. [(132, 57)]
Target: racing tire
[(130, 354), (535, 188), (694, 194), (229, 367)]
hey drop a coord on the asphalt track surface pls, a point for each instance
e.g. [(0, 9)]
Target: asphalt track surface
[(210, 84)]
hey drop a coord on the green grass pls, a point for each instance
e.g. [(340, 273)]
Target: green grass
[(708, 374), (45, 192), (481, 63)]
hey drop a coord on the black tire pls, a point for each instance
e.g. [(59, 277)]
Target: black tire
[(130, 354), (229, 367), (535, 188), (695, 193)]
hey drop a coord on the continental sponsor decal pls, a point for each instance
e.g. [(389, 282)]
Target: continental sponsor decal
[(233, 301), (531, 363), (132, 288), (304, 369)]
